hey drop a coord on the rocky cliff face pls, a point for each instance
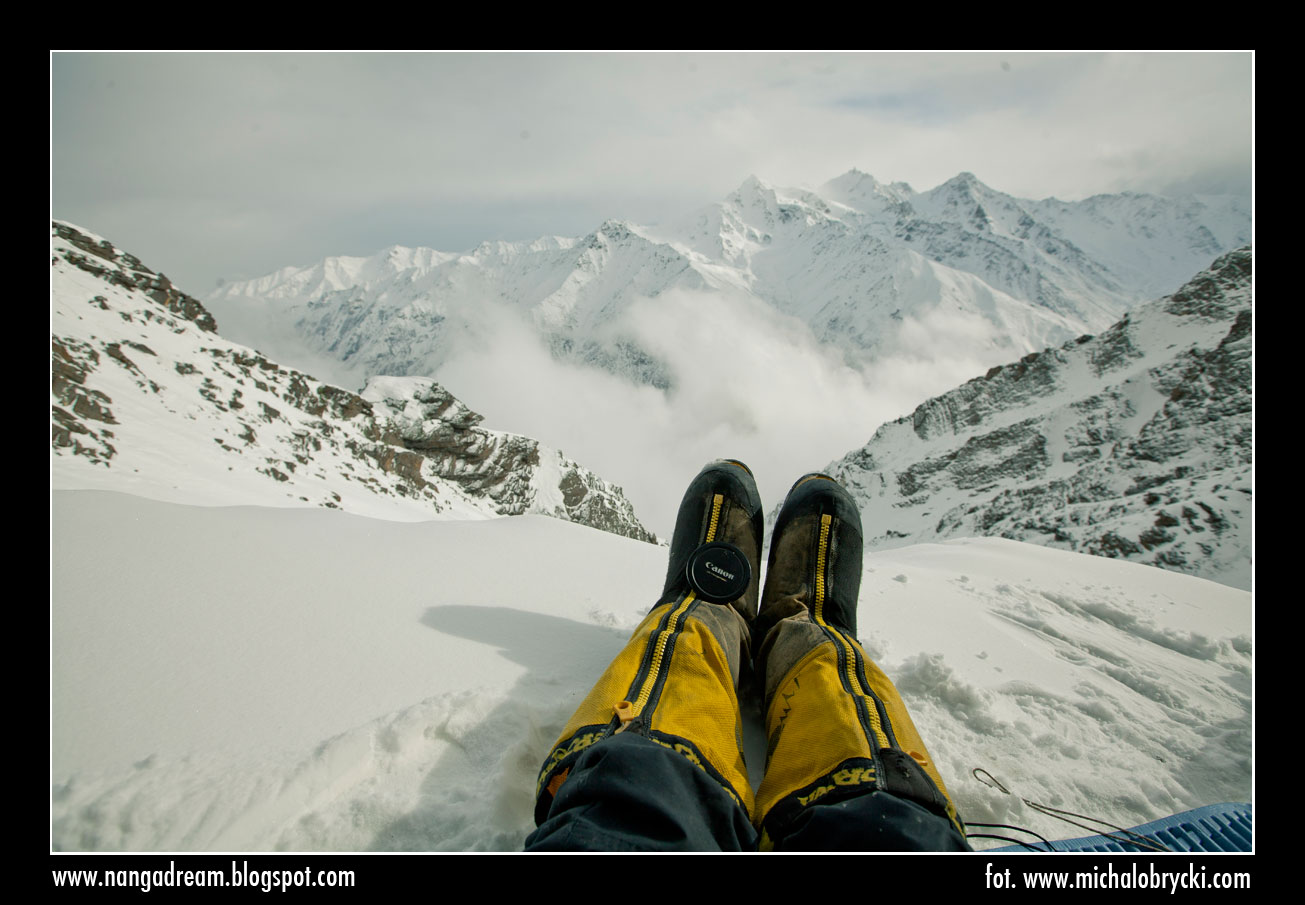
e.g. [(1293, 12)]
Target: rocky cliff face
[(146, 397), (1135, 443)]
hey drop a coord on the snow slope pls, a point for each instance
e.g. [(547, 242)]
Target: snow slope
[(257, 679)]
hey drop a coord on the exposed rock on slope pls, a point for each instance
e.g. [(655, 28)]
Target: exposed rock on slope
[(148, 398), (516, 473), (1134, 444)]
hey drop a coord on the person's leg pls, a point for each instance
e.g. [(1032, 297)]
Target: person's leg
[(846, 768), (653, 757), (627, 793)]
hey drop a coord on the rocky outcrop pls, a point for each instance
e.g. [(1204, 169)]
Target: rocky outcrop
[(1134, 443), (75, 404), (518, 474), (99, 258)]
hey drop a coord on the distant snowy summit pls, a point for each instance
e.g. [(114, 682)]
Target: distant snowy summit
[(147, 398), (1134, 443), (868, 267)]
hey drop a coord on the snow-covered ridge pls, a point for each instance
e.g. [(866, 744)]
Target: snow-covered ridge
[(858, 261), (1134, 443), (147, 398)]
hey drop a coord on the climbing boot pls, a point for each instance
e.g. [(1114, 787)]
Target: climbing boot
[(721, 509), (676, 682), (837, 730)]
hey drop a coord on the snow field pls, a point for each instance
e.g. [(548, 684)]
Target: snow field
[(252, 679), (1091, 685)]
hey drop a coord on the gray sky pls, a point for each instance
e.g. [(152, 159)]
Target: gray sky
[(229, 166)]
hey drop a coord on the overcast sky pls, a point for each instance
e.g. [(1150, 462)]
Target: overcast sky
[(228, 166)]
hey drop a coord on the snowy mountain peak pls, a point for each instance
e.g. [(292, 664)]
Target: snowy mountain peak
[(1219, 293), (400, 258), (757, 211), (853, 176), (618, 230), (963, 198), (754, 194), (852, 181), (864, 193)]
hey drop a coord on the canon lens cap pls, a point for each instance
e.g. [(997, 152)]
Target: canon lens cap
[(718, 572)]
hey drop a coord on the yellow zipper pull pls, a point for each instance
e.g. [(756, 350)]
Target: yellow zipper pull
[(625, 713)]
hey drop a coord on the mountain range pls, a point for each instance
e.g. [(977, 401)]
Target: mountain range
[(867, 267), (1114, 416)]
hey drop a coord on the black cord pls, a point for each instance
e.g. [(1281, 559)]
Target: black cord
[(1029, 845), (1134, 839), (1008, 826)]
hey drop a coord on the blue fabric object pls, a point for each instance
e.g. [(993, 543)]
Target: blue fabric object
[(1213, 828)]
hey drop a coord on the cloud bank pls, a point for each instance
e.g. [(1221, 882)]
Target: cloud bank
[(746, 383)]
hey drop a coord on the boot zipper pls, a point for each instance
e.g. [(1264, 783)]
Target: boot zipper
[(867, 704), (716, 503), (673, 624), (659, 651)]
